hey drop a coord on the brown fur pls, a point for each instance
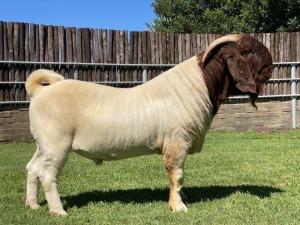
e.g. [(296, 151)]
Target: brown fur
[(236, 69)]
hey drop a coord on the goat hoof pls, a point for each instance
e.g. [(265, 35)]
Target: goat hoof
[(179, 207), (32, 205), (58, 213)]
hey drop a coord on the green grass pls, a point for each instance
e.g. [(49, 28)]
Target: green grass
[(238, 178)]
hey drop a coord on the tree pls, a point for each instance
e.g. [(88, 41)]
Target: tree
[(226, 16)]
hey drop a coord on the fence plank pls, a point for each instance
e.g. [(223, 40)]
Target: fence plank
[(176, 50), (2, 98), (110, 53), (122, 55), (187, 46), (87, 73), (5, 57), (148, 55), (139, 55), (32, 49), (135, 55), (62, 52), (180, 50), (69, 58), (126, 56), (266, 87), (15, 91), (171, 48), (104, 50), (42, 38), (194, 50), (95, 54), (23, 50), (10, 39)]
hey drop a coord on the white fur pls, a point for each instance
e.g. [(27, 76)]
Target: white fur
[(169, 115)]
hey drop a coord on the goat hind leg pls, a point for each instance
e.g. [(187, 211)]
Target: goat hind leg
[(48, 179), (32, 181)]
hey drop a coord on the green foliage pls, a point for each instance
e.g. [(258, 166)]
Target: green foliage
[(238, 178), (226, 16)]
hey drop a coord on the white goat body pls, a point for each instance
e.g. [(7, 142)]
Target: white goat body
[(169, 114), (106, 123)]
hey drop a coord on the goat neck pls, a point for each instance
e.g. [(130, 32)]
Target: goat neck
[(217, 80)]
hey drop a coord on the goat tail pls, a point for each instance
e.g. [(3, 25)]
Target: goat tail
[(34, 81)]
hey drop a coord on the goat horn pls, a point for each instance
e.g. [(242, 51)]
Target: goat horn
[(218, 42)]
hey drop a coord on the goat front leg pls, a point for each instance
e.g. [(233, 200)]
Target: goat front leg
[(174, 162)]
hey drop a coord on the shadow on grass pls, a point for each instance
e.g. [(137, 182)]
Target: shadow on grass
[(194, 194)]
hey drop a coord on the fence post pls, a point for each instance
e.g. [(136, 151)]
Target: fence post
[(144, 76), (294, 97)]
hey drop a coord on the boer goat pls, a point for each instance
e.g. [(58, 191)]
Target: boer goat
[(168, 115)]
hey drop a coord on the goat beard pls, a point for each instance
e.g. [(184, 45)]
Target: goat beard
[(253, 98)]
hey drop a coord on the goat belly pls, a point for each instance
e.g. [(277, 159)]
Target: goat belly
[(113, 141), (116, 153)]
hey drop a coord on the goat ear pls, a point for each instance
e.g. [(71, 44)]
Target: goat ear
[(241, 74)]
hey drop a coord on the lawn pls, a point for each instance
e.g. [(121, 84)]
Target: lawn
[(238, 178)]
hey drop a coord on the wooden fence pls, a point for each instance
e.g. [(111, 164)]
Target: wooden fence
[(41, 44)]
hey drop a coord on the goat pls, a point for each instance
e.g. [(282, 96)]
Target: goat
[(167, 115)]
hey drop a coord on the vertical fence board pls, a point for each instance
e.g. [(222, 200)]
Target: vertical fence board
[(100, 70), (23, 48), (96, 54), (5, 57), (176, 50), (117, 53), (74, 55), (187, 46), (50, 46), (164, 48), (179, 48), (135, 56), (56, 43), (110, 53), (87, 54), (126, 56), (194, 50), (42, 43), (104, 50), (62, 52), (69, 58), (122, 54), (101, 55), (1, 58), (297, 58), (148, 53), (32, 49), (171, 48), (10, 58), (79, 53), (139, 56), (37, 43), (56, 47)]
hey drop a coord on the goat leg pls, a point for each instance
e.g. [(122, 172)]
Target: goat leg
[(174, 158)]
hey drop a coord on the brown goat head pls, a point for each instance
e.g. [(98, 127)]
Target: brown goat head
[(235, 65)]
